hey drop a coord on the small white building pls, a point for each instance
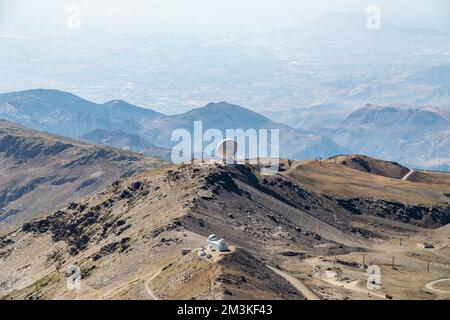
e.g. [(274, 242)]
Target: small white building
[(428, 245), (217, 244)]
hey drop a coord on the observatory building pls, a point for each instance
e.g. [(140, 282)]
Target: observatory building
[(226, 151), (215, 243)]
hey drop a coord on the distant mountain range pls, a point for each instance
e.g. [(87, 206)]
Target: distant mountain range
[(69, 115), (145, 130), (127, 141), (418, 137), (313, 117)]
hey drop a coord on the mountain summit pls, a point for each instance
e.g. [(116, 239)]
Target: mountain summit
[(68, 115)]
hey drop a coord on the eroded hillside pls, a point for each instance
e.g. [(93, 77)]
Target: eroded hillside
[(40, 172), (140, 237)]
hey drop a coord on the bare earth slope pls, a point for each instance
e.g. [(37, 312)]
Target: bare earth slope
[(40, 172), (139, 237), (371, 165)]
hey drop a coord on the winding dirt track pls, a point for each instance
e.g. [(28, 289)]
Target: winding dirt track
[(405, 178), (146, 283), (430, 285), (309, 295), (354, 286)]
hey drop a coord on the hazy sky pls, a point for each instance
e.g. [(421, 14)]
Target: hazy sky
[(116, 14), (172, 53)]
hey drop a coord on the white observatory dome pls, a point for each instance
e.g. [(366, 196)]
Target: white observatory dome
[(226, 150)]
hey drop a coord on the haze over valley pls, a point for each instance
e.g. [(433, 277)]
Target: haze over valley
[(120, 179)]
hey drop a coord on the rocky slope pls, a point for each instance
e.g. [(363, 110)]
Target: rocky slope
[(41, 172), (138, 238)]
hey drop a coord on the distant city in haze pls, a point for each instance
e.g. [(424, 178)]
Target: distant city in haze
[(173, 56)]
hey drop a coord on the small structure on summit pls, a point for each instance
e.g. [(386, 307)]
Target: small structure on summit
[(226, 151), (428, 245), (217, 244)]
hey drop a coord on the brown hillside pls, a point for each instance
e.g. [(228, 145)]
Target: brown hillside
[(371, 165)]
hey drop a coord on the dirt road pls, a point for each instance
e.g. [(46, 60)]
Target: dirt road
[(408, 175), (146, 283), (354, 286), (430, 285), (309, 295)]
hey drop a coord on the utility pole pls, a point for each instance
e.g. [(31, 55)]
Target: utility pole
[(401, 242), (393, 262), (364, 260), (428, 267)]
